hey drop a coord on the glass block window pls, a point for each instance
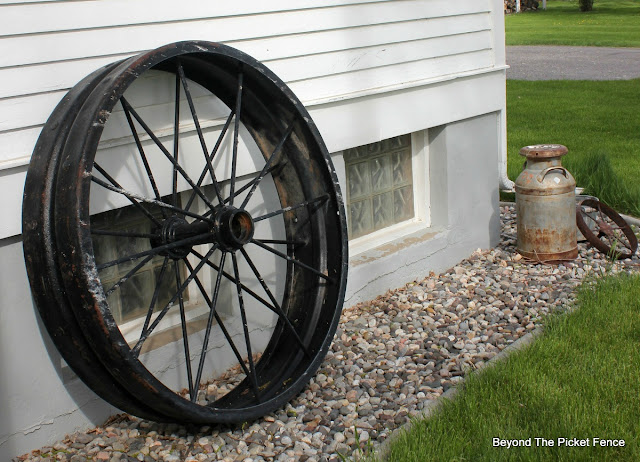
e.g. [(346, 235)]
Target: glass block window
[(132, 299), (379, 185)]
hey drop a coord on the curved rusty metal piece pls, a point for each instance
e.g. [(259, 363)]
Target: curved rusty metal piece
[(605, 229)]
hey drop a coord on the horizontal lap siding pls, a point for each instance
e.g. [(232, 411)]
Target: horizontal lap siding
[(342, 48)]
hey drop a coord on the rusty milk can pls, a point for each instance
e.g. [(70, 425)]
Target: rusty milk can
[(546, 205)]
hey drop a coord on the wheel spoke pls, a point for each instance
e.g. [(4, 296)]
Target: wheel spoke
[(156, 293), (322, 198), (203, 144), (211, 156), (236, 128), (294, 244), (134, 198), (145, 162), (292, 260), (281, 313), (185, 337), (240, 190), (267, 164), (176, 139), (590, 217), (116, 185), (225, 332), (145, 333), (155, 251), (126, 277), (245, 327), (232, 279), (166, 153), (212, 312), (618, 241)]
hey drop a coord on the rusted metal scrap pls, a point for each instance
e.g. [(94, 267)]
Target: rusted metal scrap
[(605, 229)]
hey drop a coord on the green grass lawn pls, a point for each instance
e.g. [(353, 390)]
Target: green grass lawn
[(599, 121), (613, 23), (580, 379)]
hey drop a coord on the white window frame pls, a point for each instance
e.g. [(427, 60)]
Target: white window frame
[(421, 198)]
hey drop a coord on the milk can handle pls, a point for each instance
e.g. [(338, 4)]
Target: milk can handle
[(547, 170)]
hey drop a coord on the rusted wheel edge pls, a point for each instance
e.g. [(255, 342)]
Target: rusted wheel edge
[(595, 240)]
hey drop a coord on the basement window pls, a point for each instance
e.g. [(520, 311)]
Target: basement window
[(379, 185), (132, 299)]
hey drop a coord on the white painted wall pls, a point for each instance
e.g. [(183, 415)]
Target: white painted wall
[(338, 51), (464, 212), (367, 70)]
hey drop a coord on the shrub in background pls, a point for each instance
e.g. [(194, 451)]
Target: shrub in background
[(586, 5), (525, 5)]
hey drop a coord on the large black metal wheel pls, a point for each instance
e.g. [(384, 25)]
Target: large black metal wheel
[(605, 229), (185, 236)]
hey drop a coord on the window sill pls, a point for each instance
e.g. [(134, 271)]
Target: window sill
[(390, 240), (170, 329)]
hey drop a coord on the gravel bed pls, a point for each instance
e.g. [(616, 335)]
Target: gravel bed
[(389, 357)]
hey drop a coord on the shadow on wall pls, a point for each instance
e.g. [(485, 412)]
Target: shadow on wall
[(35, 384)]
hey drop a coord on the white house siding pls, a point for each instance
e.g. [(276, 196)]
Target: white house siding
[(339, 50), (367, 70)]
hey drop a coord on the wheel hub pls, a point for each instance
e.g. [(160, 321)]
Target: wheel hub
[(176, 229), (231, 229), (235, 228)]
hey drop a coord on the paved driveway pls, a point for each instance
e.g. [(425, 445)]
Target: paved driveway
[(572, 63)]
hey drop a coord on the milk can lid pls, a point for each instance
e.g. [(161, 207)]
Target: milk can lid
[(543, 151)]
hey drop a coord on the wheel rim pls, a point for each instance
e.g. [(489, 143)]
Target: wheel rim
[(44, 275), (211, 216), (606, 230)]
